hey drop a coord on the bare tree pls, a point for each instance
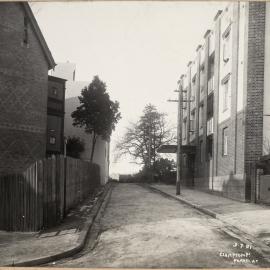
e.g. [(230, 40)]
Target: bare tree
[(142, 139)]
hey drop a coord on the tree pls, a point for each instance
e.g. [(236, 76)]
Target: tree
[(143, 138), (74, 146), (163, 166), (97, 114)]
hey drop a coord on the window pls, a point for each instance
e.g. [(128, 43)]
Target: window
[(226, 47), (225, 95), (225, 142), (184, 160), (184, 131), (54, 91), (201, 151), (25, 31), (209, 147), (201, 116), (194, 79), (185, 99), (74, 75), (210, 126), (52, 140), (192, 121), (202, 80)]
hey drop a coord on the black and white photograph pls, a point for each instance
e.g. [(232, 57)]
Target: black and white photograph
[(135, 134)]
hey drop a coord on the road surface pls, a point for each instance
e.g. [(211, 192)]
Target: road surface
[(143, 229)]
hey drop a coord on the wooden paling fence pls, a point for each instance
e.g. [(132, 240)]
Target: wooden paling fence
[(42, 195)]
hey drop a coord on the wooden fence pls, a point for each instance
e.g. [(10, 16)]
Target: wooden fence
[(42, 195)]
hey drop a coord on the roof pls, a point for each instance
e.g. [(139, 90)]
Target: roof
[(58, 79), (37, 31), (186, 149), (167, 149)]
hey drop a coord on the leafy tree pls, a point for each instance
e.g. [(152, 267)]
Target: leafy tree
[(143, 138), (164, 166), (74, 146), (97, 114)]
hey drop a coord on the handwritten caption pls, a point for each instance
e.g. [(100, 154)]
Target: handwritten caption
[(243, 257)]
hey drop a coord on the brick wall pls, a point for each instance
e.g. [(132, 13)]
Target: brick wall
[(254, 90), (23, 93), (255, 81)]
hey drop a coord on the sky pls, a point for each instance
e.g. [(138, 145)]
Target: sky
[(140, 49)]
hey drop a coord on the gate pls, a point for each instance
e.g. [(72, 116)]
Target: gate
[(258, 180)]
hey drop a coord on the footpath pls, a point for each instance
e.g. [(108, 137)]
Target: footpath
[(250, 221), (66, 239)]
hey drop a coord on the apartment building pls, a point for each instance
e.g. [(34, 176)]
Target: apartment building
[(226, 101)]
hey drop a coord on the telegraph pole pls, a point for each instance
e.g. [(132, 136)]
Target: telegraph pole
[(179, 161)]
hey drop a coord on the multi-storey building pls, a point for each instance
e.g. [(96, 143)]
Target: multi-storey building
[(226, 101), (55, 116)]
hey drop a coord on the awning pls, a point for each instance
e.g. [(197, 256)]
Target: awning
[(186, 149), (167, 149)]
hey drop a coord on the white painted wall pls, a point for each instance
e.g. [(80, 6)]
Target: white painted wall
[(225, 67), (266, 107), (211, 42), (73, 90), (102, 151), (241, 54), (202, 50), (65, 71)]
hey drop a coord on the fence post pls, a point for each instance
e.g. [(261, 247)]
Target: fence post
[(65, 187)]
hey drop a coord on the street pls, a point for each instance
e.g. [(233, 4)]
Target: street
[(143, 229)]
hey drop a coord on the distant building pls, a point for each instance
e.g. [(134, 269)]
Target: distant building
[(73, 90), (55, 116), (25, 60), (65, 70), (226, 104), (102, 148)]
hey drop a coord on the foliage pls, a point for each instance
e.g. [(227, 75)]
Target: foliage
[(74, 146), (143, 138), (97, 114), (164, 166)]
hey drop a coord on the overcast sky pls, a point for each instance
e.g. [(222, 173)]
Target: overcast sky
[(139, 49)]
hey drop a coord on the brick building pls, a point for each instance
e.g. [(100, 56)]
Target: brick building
[(25, 60), (226, 101), (55, 116)]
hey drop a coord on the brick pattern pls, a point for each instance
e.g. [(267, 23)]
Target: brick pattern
[(23, 93), (223, 174), (255, 82)]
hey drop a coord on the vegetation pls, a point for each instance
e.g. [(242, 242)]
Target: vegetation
[(143, 138), (74, 146), (97, 113)]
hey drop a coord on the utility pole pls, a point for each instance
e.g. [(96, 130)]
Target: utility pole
[(179, 162), (179, 159)]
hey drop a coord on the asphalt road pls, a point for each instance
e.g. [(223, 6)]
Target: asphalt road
[(143, 229)]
